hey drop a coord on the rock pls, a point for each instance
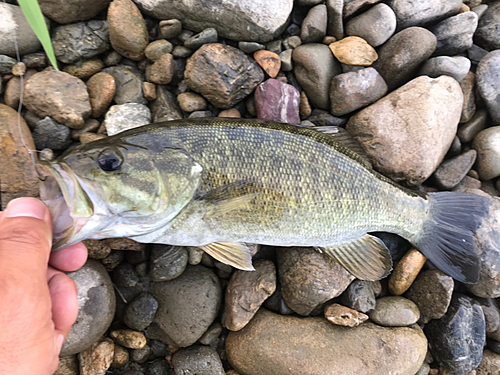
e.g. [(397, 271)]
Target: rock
[(355, 90), (394, 311), (247, 291), (126, 116), (396, 131), (149, 90), (63, 12), (406, 271), (335, 25), (212, 334), (256, 21), (309, 278), (403, 54), (305, 109), (250, 47), (487, 145), (6, 64), (35, 60), (314, 26), (12, 94), (292, 42), (423, 13), (454, 34), (375, 26), (165, 107), (140, 355), (157, 49), (224, 75), (208, 35), (452, 171), (58, 95), (488, 83), (158, 367), (167, 262), (162, 70), (456, 67), (491, 315), (85, 69), (490, 363), (468, 131), (97, 359), (181, 52), (468, 85), (50, 134), (277, 101), (268, 345), (15, 28), (187, 305), (127, 29), (269, 61), (344, 316), (97, 249), (323, 118), (68, 366), (360, 296), (230, 113), (96, 300), (314, 68), (18, 174), (200, 360), (140, 312), (190, 102), (468, 183), (488, 33), (354, 50), (101, 88), (79, 41), (19, 69), (476, 53), (129, 338), (128, 82), (170, 29), (464, 318), (124, 244), (354, 7)]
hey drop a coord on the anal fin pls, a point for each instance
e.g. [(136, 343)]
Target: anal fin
[(235, 254), (366, 258)]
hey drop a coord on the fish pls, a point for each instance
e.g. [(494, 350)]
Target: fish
[(221, 184)]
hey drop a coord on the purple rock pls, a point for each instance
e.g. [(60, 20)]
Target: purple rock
[(277, 101)]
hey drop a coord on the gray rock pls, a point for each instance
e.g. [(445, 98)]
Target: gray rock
[(399, 58), (360, 296), (456, 67), (468, 85), (277, 101), (165, 107), (468, 131), (48, 133), (454, 34), (36, 60), (275, 46), (158, 367), (423, 13), (314, 68), (480, 9), (167, 262), (96, 300), (126, 116), (128, 84), (309, 278), (491, 314), (187, 305), (375, 26), (140, 312), (200, 360), (335, 26), (452, 171), (488, 32), (81, 40), (64, 12), (6, 64), (292, 42), (476, 53), (314, 26), (488, 83), (250, 20), (206, 36), (68, 366), (307, 3), (286, 60), (424, 369), (250, 47), (323, 118), (198, 114), (140, 355), (354, 7), (395, 311), (277, 304), (355, 90), (157, 49), (487, 145)]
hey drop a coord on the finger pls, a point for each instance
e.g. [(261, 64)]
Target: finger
[(70, 258), (64, 298)]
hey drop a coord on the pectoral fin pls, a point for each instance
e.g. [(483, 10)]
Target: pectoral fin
[(234, 254), (366, 258)]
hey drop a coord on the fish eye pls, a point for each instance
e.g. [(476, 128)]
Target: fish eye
[(109, 160)]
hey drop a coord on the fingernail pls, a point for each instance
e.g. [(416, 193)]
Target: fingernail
[(26, 207), (59, 342)]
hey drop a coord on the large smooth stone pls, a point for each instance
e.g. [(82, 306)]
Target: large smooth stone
[(64, 11), (488, 30), (454, 34), (423, 12), (488, 83)]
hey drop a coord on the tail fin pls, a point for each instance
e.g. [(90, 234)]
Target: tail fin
[(447, 238)]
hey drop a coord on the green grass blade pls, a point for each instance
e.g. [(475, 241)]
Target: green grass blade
[(35, 18)]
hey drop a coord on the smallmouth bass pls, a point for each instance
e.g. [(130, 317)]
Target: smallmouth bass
[(220, 183)]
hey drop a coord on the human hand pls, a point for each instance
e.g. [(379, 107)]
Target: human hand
[(38, 302)]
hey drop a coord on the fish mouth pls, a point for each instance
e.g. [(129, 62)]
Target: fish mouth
[(69, 204)]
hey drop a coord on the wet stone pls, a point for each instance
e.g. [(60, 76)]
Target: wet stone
[(129, 338), (454, 34), (344, 316), (206, 36), (277, 101), (50, 134), (395, 311), (354, 50), (314, 26), (97, 359), (488, 84), (167, 262), (250, 47), (197, 360), (375, 26), (157, 49), (468, 131), (126, 116), (128, 82), (360, 296), (456, 67)]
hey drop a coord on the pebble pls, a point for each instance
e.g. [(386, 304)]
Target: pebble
[(269, 61), (488, 34), (128, 338), (162, 70), (97, 359), (344, 316), (403, 54), (120, 357), (140, 312), (275, 46), (12, 94), (468, 183), (140, 355), (126, 116), (335, 25), (309, 278), (80, 41), (247, 291), (194, 255), (170, 29), (181, 52), (305, 109), (157, 49), (490, 363), (112, 260), (167, 262), (491, 314), (468, 131), (292, 42), (453, 170), (314, 68), (128, 81), (464, 318), (96, 300), (201, 360), (68, 366), (456, 67), (85, 69), (360, 296), (149, 90), (355, 90), (454, 34), (250, 47), (112, 58), (158, 367), (165, 107), (375, 26), (277, 101), (323, 118), (480, 9), (488, 84), (395, 311), (314, 26), (87, 137), (196, 290), (487, 145), (268, 346), (423, 13), (405, 272), (423, 115), (58, 95), (6, 64), (476, 53), (36, 60), (208, 35), (19, 69), (50, 134), (224, 75), (190, 102), (231, 113), (212, 333), (46, 155), (101, 88), (354, 50), (468, 85)]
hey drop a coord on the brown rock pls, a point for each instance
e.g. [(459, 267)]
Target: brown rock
[(247, 291), (97, 249), (18, 177), (101, 88), (97, 359), (344, 316), (87, 137), (157, 49), (405, 272), (127, 29), (149, 90), (490, 364), (190, 102), (120, 357), (269, 61), (68, 366), (170, 29), (124, 244), (230, 113), (305, 109), (162, 70), (354, 50), (91, 125), (63, 11), (85, 69), (13, 89), (469, 107), (129, 338)]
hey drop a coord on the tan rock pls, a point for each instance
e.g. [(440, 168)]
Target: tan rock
[(190, 102), (12, 93), (124, 244), (487, 145), (120, 357), (97, 249), (344, 316), (269, 61), (354, 50), (19, 69), (305, 109), (162, 70), (85, 69), (97, 359), (129, 338), (490, 364), (230, 113), (87, 137), (101, 88), (468, 85), (149, 90), (68, 366), (405, 272)]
